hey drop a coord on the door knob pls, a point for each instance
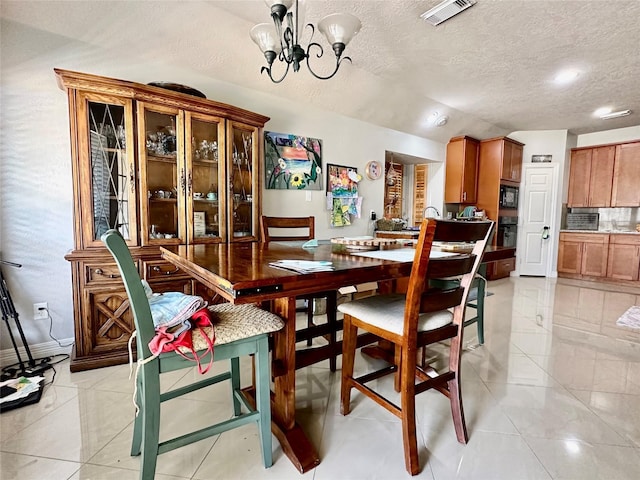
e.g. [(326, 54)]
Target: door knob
[(545, 232)]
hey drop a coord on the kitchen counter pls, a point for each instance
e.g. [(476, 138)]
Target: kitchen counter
[(611, 232)]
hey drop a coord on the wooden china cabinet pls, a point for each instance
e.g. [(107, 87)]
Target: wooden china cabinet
[(164, 168)]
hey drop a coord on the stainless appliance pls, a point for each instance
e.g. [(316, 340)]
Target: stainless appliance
[(509, 196), (507, 233)]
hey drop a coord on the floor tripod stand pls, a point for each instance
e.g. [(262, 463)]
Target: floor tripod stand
[(27, 367)]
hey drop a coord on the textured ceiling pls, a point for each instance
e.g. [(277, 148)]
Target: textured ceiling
[(490, 69)]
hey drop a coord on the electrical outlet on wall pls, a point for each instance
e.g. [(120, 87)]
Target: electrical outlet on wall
[(40, 311)]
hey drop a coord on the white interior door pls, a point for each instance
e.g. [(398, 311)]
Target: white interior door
[(535, 230)]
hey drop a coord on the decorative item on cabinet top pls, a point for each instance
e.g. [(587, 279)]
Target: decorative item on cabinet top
[(176, 87)]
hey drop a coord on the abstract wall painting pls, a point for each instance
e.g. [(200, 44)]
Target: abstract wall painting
[(292, 162)]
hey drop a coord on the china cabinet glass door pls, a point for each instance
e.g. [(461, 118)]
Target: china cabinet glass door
[(163, 179), (243, 175), (205, 181), (108, 169)]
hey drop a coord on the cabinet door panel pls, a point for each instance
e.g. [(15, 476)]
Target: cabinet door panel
[(594, 259), (108, 322), (569, 257), (626, 176), (623, 262), (461, 170), (207, 195), (162, 174), (516, 162), (243, 181), (579, 178), (601, 178), (106, 177)]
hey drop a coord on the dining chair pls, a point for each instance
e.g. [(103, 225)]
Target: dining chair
[(275, 229), (239, 330), (425, 315)]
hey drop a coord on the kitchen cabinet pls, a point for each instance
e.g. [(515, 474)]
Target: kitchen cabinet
[(590, 176), (624, 257), (503, 156), (626, 176), (583, 254), (461, 170), (512, 161), (163, 168)]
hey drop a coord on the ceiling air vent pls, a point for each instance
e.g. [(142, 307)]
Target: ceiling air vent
[(446, 10)]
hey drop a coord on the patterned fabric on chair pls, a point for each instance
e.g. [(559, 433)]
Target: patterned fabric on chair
[(425, 315), (239, 330)]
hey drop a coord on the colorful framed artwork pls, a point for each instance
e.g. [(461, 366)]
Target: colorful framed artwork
[(342, 181), (292, 162)]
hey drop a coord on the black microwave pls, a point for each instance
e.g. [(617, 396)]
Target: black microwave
[(509, 196)]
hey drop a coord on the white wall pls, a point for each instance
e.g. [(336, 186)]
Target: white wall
[(609, 136), (36, 203)]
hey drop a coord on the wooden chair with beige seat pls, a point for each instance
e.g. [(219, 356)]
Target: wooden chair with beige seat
[(239, 330), (423, 316), (275, 229)]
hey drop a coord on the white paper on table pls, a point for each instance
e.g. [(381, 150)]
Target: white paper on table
[(401, 254)]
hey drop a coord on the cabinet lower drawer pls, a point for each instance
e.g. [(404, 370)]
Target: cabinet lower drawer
[(500, 268), (161, 270), (102, 273)]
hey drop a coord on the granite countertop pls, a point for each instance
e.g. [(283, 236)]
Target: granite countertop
[(614, 232)]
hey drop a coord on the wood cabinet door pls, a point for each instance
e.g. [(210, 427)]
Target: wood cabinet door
[(454, 171), (601, 176), (107, 321), (470, 175), (594, 259), (623, 262), (569, 256), (516, 162), (461, 170), (626, 176), (579, 178), (104, 175)]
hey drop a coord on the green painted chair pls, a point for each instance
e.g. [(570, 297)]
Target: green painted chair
[(240, 330)]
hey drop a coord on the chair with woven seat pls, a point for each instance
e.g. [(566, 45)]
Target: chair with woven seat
[(303, 228), (239, 330), (424, 315)]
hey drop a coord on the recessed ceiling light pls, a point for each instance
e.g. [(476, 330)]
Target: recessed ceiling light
[(602, 111), (566, 76), (621, 113)]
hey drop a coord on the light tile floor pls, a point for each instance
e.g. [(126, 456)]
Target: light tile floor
[(553, 394)]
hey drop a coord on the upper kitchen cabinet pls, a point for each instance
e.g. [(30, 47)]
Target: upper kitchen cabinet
[(591, 171), (605, 176), (504, 156), (626, 176), (461, 170)]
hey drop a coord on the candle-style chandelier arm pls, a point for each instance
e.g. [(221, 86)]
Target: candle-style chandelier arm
[(281, 40), (338, 48)]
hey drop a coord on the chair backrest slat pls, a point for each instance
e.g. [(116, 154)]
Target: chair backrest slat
[(295, 228), (437, 299)]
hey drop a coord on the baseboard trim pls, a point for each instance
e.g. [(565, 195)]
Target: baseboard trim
[(41, 350)]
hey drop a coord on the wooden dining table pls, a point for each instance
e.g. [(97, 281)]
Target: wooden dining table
[(241, 273)]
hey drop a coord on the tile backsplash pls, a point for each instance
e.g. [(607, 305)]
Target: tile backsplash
[(617, 219)]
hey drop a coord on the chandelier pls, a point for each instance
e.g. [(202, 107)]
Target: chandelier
[(281, 39)]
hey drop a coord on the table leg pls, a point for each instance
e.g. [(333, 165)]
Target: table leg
[(293, 440)]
